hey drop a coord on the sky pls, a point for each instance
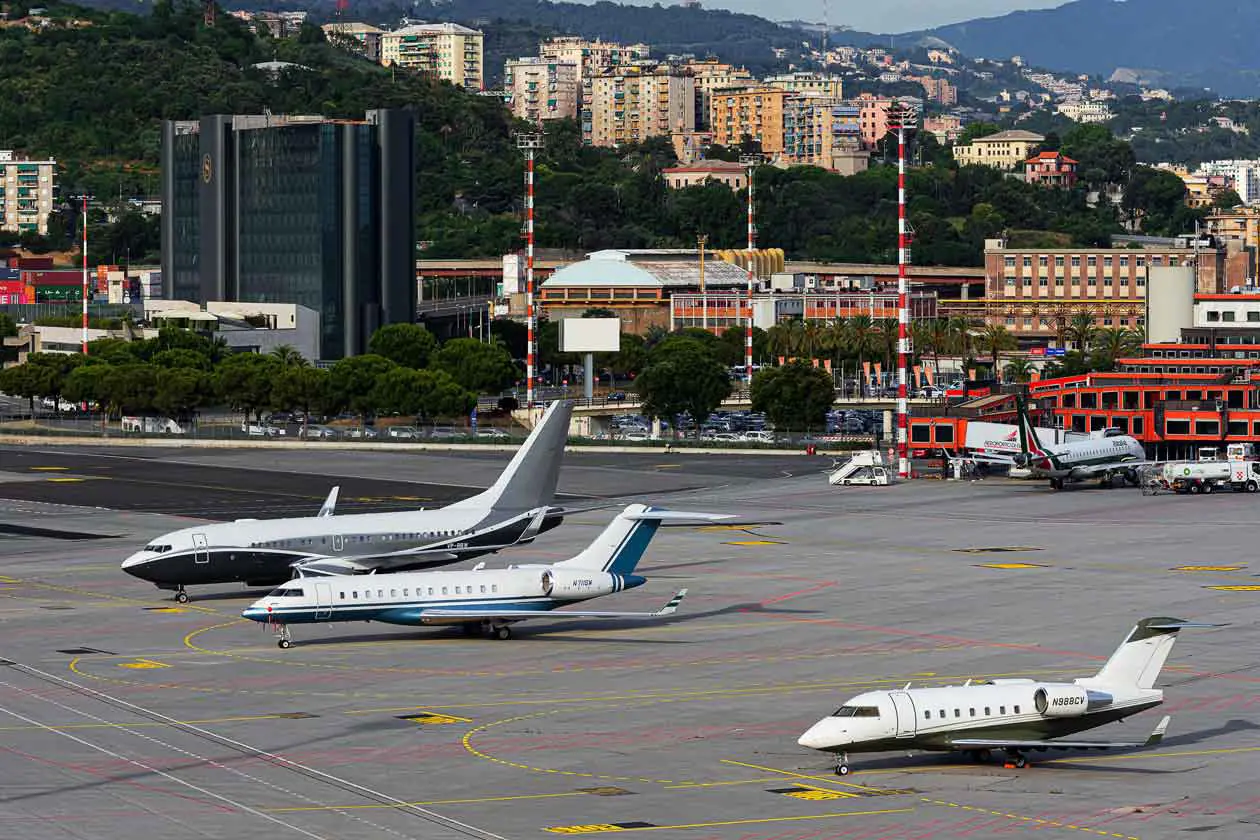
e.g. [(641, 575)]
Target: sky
[(874, 15)]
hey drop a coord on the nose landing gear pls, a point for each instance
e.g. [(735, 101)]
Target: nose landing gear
[(180, 595), (284, 641), (842, 765)]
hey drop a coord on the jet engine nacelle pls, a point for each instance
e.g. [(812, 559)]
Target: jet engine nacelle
[(1068, 700), (576, 583)]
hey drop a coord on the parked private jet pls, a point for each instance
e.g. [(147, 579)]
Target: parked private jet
[(1014, 715), (265, 552), (480, 599)]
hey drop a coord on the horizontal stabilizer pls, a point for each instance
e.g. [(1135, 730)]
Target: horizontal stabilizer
[(683, 518)]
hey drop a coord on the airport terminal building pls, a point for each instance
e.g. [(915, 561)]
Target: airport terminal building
[(294, 209)]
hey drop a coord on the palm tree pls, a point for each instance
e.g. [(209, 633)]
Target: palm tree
[(811, 338), (1081, 330), (995, 339), (889, 334), (288, 356), (863, 338), (1018, 370), (960, 328), (781, 339), (939, 338)]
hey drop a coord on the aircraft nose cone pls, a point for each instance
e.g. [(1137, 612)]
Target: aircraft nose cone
[(137, 565), (813, 738), (255, 613)]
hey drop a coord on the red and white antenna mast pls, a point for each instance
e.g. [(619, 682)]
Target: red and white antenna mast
[(902, 118), (750, 163), (530, 144)]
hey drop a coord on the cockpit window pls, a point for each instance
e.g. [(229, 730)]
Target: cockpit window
[(857, 711), (157, 549), (287, 592)]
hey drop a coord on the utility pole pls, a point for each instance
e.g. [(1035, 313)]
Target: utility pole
[(750, 163), (701, 240), (902, 118), (83, 222), (529, 144)]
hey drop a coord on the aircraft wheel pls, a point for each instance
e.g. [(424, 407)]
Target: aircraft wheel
[(284, 644), (503, 632), (981, 756), (181, 597), (1056, 484), (1021, 762), (842, 769)]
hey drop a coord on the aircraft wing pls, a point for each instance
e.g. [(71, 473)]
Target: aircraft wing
[(1110, 466), (1057, 744), (491, 612)]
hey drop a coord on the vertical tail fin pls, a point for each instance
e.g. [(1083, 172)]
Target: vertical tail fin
[(619, 547), (1141, 655), (1028, 443), (529, 480)]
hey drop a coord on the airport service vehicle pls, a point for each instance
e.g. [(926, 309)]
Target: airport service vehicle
[(1081, 460), (1013, 715), (1207, 476), (479, 599), (263, 552), (866, 467)]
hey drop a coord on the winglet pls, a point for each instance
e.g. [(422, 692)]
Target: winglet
[(1158, 734), (330, 504), (672, 606)]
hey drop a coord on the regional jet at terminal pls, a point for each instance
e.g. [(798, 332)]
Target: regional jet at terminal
[(1096, 458), (480, 599), (1013, 715), (266, 552)]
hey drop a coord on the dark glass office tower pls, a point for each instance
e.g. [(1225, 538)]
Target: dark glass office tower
[(294, 210)]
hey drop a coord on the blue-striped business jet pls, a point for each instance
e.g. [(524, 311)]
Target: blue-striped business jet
[(485, 600)]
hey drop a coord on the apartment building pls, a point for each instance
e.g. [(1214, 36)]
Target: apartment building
[(712, 75), (823, 131), (873, 117), (1239, 231), (1085, 111), (816, 83), (940, 91), (753, 113), (632, 103), (362, 37), (540, 90), (27, 190), (447, 50), (592, 58), (945, 128), (1004, 150), (1029, 290)]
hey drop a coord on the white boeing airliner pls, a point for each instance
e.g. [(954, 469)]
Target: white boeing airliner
[(265, 552), (1014, 715), (480, 599)]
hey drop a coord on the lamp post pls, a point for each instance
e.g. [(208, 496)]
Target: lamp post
[(750, 163), (529, 144), (701, 241), (902, 118)]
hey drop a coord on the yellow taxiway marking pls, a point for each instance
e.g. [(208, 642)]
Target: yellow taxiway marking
[(600, 828), (143, 664), (789, 774), (65, 480), (1033, 820), (1208, 568), (47, 469), (436, 719), (1011, 566), (166, 609), (1252, 588)]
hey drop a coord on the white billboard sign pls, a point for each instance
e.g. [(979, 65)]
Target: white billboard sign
[(590, 335)]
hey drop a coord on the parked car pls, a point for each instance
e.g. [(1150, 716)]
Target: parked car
[(259, 429), (363, 432), (442, 433), (405, 432), (315, 431), (617, 396), (493, 432)]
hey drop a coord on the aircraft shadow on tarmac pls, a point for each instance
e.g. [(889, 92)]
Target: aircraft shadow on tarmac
[(1229, 727)]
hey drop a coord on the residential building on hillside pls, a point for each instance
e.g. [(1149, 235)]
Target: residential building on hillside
[(728, 173), (541, 90), (1085, 112), (294, 209), (362, 37), (27, 190), (712, 75), (754, 113), (592, 59), (1243, 174), (632, 103), (1004, 150), (447, 50), (945, 128), (1204, 190), (823, 131), (1051, 169), (822, 84), (873, 116), (1237, 228), (940, 91)]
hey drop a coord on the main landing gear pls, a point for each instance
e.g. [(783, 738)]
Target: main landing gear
[(1056, 484), (842, 765), (1014, 758), (489, 629), (180, 595)]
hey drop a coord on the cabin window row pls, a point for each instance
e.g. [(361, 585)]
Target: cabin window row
[(484, 589), (357, 538), (927, 713)]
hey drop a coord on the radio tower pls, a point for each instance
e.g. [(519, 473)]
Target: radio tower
[(530, 144), (750, 166), (902, 118), (85, 276)]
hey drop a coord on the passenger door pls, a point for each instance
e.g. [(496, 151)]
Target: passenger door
[(201, 546), (323, 601), (905, 713)]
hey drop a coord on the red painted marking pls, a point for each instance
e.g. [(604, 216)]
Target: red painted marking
[(790, 595)]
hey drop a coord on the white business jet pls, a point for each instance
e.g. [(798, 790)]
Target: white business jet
[(484, 600), (265, 552), (1013, 715)]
